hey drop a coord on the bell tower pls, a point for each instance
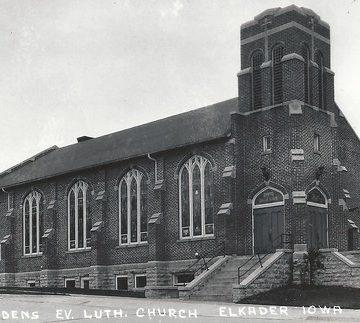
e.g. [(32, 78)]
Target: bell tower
[(285, 55)]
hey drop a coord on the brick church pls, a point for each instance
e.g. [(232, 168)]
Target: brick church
[(129, 210)]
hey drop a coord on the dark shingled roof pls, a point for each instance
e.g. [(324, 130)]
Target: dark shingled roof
[(188, 128)]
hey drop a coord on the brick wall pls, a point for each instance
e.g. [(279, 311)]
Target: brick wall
[(107, 178)]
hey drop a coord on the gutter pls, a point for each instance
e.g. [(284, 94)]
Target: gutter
[(155, 166), (8, 196)]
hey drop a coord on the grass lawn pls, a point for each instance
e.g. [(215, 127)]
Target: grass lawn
[(345, 297)]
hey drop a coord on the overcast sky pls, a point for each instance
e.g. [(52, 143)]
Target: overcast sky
[(90, 67)]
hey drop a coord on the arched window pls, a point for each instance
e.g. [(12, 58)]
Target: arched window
[(196, 210), (132, 208), (79, 222), (306, 56), (277, 79), (32, 223), (316, 198), (268, 197), (319, 59), (256, 61)]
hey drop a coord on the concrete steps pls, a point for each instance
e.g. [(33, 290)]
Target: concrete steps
[(219, 287), (354, 256)]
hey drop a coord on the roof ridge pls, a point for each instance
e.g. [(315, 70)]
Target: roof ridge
[(150, 123)]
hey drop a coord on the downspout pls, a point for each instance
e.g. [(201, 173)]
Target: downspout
[(155, 162), (8, 196)]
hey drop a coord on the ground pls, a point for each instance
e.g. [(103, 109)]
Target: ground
[(344, 297), (85, 308)]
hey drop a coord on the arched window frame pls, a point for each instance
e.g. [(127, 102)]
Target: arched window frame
[(34, 198), (260, 206), (325, 205), (307, 87), (141, 235), (79, 186), (257, 58), (277, 77), (200, 162)]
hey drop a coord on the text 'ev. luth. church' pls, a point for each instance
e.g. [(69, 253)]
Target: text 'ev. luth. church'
[(279, 164)]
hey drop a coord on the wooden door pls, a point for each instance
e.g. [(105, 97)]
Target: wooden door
[(317, 227), (351, 235), (268, 226)]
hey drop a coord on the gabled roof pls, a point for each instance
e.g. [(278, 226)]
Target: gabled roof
[(204, 124)]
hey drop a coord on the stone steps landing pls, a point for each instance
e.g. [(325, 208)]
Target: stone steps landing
[(219, 286), (354, 256)]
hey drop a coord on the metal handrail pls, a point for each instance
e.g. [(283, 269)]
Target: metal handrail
[(281, 244), (258, 262), (219, 250), (215, 252)]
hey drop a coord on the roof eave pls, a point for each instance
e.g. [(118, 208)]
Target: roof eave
[(109, 162)]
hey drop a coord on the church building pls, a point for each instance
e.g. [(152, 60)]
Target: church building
[(275, 166)]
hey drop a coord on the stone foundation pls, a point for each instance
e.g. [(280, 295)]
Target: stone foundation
[(338, 270), (159, 276), (276, 272)]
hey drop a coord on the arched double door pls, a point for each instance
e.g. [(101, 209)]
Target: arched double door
[(316, 219), (268, 219)]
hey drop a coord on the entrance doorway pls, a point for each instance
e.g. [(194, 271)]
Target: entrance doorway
[(268, 220), (316, 219)]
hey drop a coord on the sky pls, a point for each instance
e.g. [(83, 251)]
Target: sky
[(70, 68)]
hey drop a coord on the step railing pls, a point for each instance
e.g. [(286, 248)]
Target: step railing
[(206, 259), (285, 242)]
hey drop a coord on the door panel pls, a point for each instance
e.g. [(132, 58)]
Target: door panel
[(316, 227), (351, 235), (268, 226)]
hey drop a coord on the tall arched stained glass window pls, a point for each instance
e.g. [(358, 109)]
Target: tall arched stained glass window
[(208, 200), (277, 76), (79, 222), (123, 212), (195, 198), (256, 61), (184, 202), (132, 208), (32, 223)]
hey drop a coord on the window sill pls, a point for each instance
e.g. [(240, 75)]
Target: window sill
[(34, 255), (268, 152), (317, 152), (132, 245), (87, 249), (196, 239)]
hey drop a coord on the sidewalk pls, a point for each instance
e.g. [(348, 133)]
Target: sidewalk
[(89, 308)]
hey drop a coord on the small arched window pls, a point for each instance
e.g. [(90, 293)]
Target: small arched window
[(79, 222), (268, 197), (317, 198), (256, 61), (132, 208), (277, 77), (196, 211), (319, 59), (32, 223), (306, 56)]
